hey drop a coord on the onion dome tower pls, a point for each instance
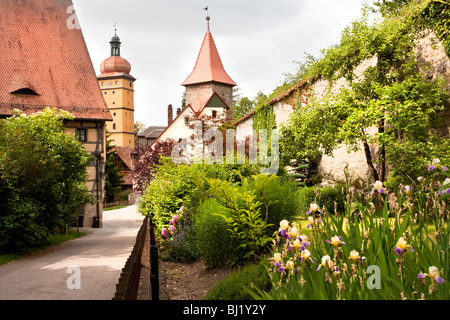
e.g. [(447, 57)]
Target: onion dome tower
[(117, 86)]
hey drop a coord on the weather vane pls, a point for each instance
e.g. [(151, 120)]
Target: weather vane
[(208, 18), (115, 26)]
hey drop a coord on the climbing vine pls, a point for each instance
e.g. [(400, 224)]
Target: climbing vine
[(264, 118), (392, 95), (436, 15)]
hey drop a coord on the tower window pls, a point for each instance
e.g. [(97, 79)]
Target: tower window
[(214, 114), (114, 126), (117, 82), (103, 83), (187, 120), (81, 135), (114, 92)]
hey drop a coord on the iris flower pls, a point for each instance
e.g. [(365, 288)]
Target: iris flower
[(313, 208), (284, 224), (433, 275), (312, 222), (325, 262), (407, 190), (336, 241), (305, 255), (355, 257), (378, 187), (402, 246)]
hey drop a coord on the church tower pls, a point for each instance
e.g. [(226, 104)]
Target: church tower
[(208, 77), (117, 86)]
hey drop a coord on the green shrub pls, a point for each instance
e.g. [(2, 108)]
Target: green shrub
[(176, 185), (183, 246), (233, 287), (329, 195), (305, 196), (215, 244), (43, 173), (283, 195)]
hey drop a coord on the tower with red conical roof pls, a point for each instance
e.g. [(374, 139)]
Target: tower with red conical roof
[(208, 77)]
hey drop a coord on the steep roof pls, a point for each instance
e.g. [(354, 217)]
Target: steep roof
[(44, 63), (215, 101), (152, 132), (209, 66)]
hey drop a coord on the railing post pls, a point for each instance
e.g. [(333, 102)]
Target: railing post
[(154, 272)]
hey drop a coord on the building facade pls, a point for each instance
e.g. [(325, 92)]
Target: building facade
[(45, 63)]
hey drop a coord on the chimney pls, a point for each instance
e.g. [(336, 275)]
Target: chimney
[(178, 111), (170, 114)]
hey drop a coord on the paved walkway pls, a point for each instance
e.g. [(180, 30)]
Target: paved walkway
[(99, 257)]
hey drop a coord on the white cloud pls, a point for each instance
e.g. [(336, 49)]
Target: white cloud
[(258, 40)]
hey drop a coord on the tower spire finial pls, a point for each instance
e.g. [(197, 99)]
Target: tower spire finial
[(208, 18)]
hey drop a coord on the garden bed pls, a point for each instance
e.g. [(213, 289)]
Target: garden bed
[(190, 281)]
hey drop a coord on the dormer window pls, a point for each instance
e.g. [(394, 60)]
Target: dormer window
[(187, 120), (25, 91)]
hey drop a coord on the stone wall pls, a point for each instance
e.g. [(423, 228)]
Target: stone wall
[(197, 95), (430, 51)]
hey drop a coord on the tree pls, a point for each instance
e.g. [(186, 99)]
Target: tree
[(242, 108), (393, 96), (43, 174), (113, 176), (147, 159)]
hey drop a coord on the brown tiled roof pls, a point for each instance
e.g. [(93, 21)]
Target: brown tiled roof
[(209, 66), (247, 116), (124, 153), (39, 52), (152, 132)]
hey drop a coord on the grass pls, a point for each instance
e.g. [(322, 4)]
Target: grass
[(114, 208), (54, 240), (233, 287)]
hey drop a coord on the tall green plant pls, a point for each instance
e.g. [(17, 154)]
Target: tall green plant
[(245, 222)]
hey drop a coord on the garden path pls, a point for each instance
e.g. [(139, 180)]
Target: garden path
[(100, 256)]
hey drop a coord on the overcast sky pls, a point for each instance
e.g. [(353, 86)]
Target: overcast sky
[(258, 41)]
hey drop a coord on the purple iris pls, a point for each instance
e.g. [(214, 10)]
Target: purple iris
[(398, 251), (277, 264), (309, 212), (431, 168), (281, 269), (439, 280), (381, 190)]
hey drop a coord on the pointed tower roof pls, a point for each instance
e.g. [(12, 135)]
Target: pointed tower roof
[(209, 66)]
